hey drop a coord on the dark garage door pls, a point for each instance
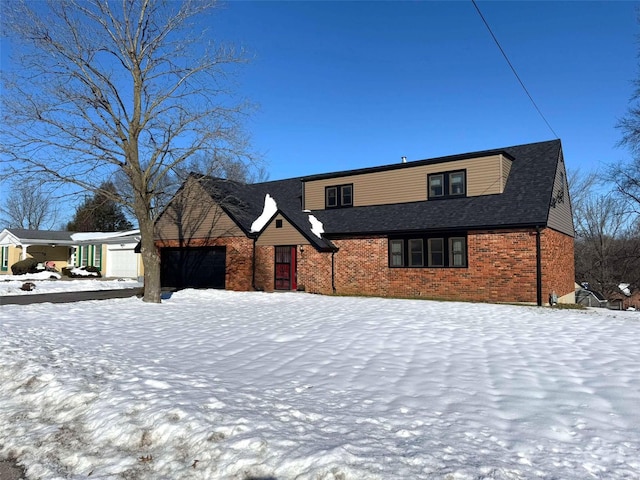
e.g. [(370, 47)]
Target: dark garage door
[(193, 267)]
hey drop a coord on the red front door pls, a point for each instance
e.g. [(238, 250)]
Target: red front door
[(285, 270)]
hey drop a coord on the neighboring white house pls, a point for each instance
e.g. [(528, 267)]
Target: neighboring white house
[(112, 252)]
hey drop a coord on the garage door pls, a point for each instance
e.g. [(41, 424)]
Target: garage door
[(193, 267), (122, 263)]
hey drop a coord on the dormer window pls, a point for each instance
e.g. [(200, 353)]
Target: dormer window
[(436, 185), (339, 196), (457, 183), (447, 184)]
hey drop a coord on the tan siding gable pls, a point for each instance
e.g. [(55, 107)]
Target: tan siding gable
[(560, 214), (506, 169), (287, 235), (193, 214), (485, 176)]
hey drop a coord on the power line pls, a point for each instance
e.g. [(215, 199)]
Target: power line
[(513, 68)]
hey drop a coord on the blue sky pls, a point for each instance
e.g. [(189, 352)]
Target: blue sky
[(343, 85), (346, 85)]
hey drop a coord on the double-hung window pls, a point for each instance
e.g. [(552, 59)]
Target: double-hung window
[(338, 196), (436, 252), (416, 252), (396, 253), (447, 184), (457, 252)]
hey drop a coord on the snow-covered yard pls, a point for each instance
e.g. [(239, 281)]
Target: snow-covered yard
[(225, 385), (10, 284)]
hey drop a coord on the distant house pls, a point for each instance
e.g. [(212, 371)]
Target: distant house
[(111, 252), (492, 225)]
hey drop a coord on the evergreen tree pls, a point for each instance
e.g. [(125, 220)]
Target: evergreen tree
[(100, 213)]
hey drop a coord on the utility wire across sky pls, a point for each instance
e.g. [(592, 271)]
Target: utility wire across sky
[(513, 68)]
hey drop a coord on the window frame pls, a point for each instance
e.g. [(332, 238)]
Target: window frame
[(431, 263), (447, 184), (463, 252), (340, 192), (434, 176), (89, 256), (404, 259), (463, 182), (327, 190), (412, 251), (4, 254), (393, 256)]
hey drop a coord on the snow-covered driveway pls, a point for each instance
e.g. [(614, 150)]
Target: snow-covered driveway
[(226, 385)]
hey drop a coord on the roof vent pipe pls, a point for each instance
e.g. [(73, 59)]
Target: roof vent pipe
[(404, 159)]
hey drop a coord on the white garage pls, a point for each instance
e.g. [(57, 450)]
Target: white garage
[(122, 261), (114, 252)]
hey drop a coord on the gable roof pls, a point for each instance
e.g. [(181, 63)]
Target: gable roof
[(37, 237), (244, 203), (61, 237), (525, 201)]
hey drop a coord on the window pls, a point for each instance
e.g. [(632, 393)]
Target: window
[(436, 252), (97, 256), (339, 196), (456, 183), (429, 251), (458, 254), (331, 194), (346, 192), (279, 223), (447, 184), (435, 186), (416, 254), (4, 258), (396, 255), (89, 256)]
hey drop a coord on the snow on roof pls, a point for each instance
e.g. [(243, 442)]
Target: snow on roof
[(316, 226), (87, 236), (269, 210), (624, 288)]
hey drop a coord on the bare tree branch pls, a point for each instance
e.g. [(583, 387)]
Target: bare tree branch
[(119, 91)]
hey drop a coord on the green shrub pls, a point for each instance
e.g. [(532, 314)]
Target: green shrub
[(28, 265)]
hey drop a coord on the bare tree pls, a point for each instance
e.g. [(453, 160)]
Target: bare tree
[(128, 90), (606, 250), (28, 206), (626, 174)]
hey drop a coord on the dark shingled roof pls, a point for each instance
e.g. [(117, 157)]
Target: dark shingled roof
[(524, 202), (245, 203), (47, 235)]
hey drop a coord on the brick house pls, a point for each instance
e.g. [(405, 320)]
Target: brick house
[(493, 226)]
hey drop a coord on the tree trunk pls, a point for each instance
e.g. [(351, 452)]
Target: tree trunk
[(150, 261)]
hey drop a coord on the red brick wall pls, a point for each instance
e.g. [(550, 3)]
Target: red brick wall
[(558, 265), (502, 268), (238, 262), (265, 266), (314, 270)]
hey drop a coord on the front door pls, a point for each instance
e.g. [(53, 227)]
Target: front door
[(285, 270)]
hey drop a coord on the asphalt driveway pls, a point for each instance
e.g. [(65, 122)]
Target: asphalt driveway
[(68, 297)]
